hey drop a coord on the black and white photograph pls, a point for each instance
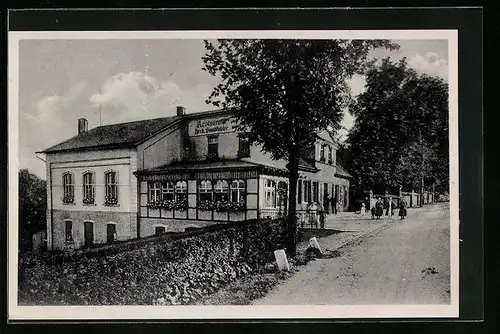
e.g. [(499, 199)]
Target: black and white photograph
[(234, 174)]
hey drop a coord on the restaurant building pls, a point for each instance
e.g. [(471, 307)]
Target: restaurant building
[(137, 179)]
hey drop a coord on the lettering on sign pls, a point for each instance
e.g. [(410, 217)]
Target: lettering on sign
[(212, 126)]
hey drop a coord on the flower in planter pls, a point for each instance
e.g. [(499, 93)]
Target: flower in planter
[(206, 205), (181, 204), (88, 200), (68, 199), (111, 201)]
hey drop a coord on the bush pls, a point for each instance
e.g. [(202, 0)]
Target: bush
[(163, 273)]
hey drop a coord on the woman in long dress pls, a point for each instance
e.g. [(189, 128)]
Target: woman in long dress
[(402, 209), (379, 208)]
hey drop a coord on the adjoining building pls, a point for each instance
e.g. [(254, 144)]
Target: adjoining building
[(137, 179)]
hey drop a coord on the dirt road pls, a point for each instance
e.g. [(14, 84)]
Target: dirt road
[(406, 263)]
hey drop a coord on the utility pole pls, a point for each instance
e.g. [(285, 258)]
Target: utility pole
[(422, 169)]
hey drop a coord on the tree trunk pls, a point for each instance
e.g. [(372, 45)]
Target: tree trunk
[(293, 169)]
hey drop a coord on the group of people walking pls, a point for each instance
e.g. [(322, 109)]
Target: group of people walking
[(317, 212), (378, 209)]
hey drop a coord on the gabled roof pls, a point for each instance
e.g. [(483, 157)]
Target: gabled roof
[(114, 135), (341, 172), (124, 135)]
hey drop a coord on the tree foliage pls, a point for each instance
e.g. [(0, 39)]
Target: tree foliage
[(400, 131), (32, 206), (285, 91)]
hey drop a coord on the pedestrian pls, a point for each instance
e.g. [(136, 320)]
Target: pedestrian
[(373, 212), (321, 217), (386, 206), (393, 207), (363, 210), (334, 204), (379, 208), (312, 209), (326, 204), (402, 209)]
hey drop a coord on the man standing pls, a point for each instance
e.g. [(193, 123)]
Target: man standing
[(334, 203)]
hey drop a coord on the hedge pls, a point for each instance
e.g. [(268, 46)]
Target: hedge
[(164, 271)]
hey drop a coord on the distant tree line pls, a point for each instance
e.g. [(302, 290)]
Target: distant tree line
[(32, 207), (400, 133)]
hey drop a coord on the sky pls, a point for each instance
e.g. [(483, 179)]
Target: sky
[(113, 81)]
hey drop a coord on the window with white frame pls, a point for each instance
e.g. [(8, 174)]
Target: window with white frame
[(322, 154), (205, 192), (181, 191), (68, 188), (154, 191), (237, 191), (330, 154), (221, 191), (89, 188), (111, 188), (167, 191), (270, 194)]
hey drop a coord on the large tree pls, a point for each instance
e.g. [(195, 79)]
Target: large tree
[(400, 134), (32, 207), (284, 91)]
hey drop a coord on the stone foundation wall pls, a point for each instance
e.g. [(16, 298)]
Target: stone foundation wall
[(126, 227)]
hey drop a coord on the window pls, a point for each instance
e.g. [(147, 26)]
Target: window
[(270, 194), (88, 188), (154, 191), (213, 146), (307, 191), (68, 188), (299, 192), (330, 155), (167, 191), (322, 154), (68, 228), (159, 230), (181, 191), (237, 191), (243, 148), (221, 191), (111, 188), (205, 191), (111, 233), (315, 192)]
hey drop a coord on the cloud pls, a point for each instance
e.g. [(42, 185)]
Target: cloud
[(50, 109), (135, 92), (430, 63)]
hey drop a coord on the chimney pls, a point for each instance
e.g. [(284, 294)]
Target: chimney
[(83, 125), (181, 111)]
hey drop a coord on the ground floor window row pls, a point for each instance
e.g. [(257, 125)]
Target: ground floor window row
[(218, 195), (89, 232), (318, 192)]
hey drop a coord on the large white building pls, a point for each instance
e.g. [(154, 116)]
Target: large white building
[(137, 179)]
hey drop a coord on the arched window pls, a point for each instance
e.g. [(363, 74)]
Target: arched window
[(167, 190), (237, 191), (205, 191), (220, 191), (270, 194), (89, 188), (68, 188), (181, 191), (111, 188)]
